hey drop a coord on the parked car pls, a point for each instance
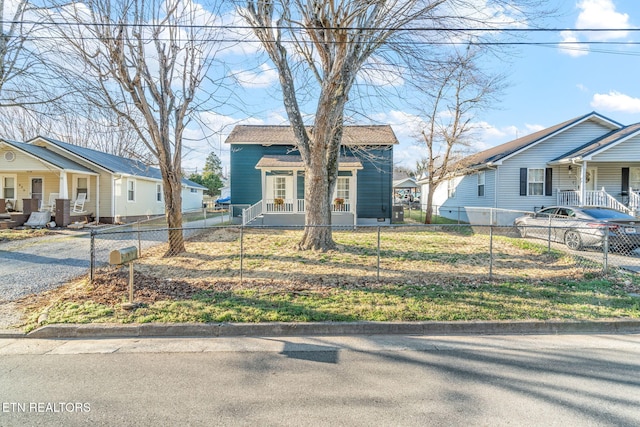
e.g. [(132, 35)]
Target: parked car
[(578, 227)]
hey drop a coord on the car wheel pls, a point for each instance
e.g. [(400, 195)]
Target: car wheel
[(573, 240)]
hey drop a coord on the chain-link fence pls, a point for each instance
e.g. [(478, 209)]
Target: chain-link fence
[(464, 214), (365, 255)]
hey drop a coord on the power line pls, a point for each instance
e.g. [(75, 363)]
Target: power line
[(300, 27)]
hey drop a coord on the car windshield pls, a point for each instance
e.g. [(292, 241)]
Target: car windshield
[(606, 214)]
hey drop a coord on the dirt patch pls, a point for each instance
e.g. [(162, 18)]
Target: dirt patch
[(12, 315)]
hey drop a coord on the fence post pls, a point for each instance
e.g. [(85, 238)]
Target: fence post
[(490, 252), (92, 255), (378, 267), (139, 242), (605, 252), (549, 235), (241, 251)]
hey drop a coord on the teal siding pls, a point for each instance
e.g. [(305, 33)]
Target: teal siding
[(374, 180), (246, 186)]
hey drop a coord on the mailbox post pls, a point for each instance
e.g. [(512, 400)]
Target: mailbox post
[(126, 256)]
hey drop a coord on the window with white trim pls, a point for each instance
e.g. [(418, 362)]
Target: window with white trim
[(535, 182), (481, 180), (8, 187), (342, 188), (159, 193), (280, 187), (131, 190), (451, 188)]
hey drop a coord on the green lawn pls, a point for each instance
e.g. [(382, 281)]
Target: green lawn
[(434, 275)]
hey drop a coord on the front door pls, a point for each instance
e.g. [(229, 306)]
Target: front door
[(36, 188)]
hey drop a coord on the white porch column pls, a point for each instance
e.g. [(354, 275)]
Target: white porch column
[(583, 182), (264, 190), (295, 191), (97, 199), (354, 197), (63, 188)]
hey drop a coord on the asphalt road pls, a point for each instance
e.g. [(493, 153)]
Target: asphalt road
[(567, 380)]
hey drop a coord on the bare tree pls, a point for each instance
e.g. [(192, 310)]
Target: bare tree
[(319, 47), (459, 89), (146, 61), (24, 80)]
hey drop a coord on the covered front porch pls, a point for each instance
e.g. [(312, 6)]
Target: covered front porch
[(283, 201), (611, 185), (33, 179)]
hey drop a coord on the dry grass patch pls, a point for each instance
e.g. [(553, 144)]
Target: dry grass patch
[(425, 274)]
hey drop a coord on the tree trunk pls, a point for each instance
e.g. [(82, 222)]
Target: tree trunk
[(428, 218), (173, 207), (317, 233)]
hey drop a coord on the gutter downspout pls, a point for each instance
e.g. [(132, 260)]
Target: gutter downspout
[(98, 199)]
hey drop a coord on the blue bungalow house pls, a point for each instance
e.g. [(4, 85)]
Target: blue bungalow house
[(267, 176)]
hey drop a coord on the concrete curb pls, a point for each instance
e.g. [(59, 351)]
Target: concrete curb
[(12, 333), (330, 328)]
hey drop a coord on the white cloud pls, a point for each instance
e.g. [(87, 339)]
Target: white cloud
[(570, 45), (602, 14), (266, 76), (598, 15), (616, 101)]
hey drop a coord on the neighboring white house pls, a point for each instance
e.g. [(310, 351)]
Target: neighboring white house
[(588, 160), (118, 189)]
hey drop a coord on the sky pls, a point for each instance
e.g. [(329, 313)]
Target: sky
[(546, 84)]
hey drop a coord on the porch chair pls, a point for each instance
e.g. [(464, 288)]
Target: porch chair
[(78, 205), (51, 206)]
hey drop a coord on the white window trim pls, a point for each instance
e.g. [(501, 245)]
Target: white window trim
[(15, 186), (451, 188), (134, 190), (159, 191), (275, 187), (346, 179), (529, 181), (482, 182), (74, 190)]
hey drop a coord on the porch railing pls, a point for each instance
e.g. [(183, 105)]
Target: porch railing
[(251, 213), (284, 206), (634, 199), (591, 198)]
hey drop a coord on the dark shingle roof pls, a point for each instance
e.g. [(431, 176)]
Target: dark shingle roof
[(501, 151), (353, 135), (115, 164), (49, 156)]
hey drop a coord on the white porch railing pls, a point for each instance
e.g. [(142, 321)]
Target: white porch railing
[(251, 213), (591, 198), (284, 206), (634, 199), (279, 205)]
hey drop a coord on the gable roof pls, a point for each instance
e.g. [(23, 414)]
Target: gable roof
[(600, 144), (405, 183), (283, 135), (111, 162), (501, 152), (49, 156)]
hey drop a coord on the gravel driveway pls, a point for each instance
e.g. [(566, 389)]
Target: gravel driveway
[(35, 265)]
